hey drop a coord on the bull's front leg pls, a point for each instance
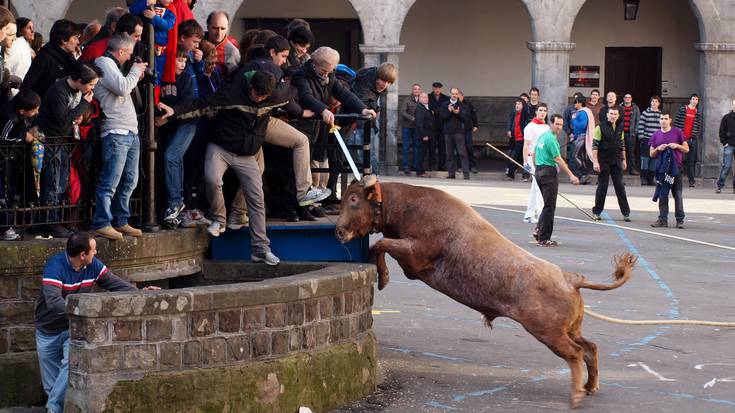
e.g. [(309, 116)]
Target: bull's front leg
[(413, 258)]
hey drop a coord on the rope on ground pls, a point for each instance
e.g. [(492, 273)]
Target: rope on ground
[(657, 322), (640, 322)]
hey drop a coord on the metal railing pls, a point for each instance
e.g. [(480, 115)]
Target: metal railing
[(51, 183)]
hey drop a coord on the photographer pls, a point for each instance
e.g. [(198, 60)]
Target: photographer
[(455, 116), (120, 143)]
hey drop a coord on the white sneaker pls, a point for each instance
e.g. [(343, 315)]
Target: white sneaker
[(11, 235), (215, 228), (269, 258), (236, 222), (314, 195), (193, 217)]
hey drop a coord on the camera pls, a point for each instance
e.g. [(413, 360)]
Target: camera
[(150, 74)]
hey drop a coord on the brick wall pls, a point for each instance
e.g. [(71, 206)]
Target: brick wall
[(130, 335)]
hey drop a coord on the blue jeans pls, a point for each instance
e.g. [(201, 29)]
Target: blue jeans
[(174, 162), (117, 180), (54, 179), (727, 154), (690, 160), (571, 160), (360, 139), (410, 141), (53, 358)]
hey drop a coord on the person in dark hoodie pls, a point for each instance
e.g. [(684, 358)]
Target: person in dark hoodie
[(727, 139), (242, 118), (370, 85), (16, 181), (663, 140), (61, 112), (424, 121), (56, 59)]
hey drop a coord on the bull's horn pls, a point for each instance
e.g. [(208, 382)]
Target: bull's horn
[(368, 180)]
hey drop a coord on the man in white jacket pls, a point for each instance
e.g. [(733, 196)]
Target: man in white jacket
[(531, 133), (120, 144)]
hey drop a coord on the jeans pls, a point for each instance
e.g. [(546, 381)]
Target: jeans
[(54, 179), (117, 180), (516, 152), (691, 160), (174, 162), (360, 140), (647, 163), (727, 154), (663, 202), (630, 144), (410, 144), (608, 170), (571, 160), (548, 182), (53, 358)]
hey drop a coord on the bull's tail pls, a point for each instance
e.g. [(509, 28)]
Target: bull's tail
[(624, 264)]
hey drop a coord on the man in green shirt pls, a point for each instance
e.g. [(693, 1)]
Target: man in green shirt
[(547, 157)]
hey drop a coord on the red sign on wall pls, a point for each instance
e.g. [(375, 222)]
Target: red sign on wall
[(584, 76)]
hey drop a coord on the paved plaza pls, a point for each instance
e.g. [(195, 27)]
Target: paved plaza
[(437, 356)]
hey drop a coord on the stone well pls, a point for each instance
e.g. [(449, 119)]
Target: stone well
[(240, 338)]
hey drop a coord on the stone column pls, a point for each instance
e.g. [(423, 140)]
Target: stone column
[(550, 72), (387, 155), (43, 13), (717, 78)]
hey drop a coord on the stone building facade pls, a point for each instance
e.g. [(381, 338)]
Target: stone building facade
[(547, 29)]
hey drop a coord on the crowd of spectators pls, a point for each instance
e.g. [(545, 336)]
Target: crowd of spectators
[(239, 125)]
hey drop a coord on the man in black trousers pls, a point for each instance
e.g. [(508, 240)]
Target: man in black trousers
[(437, 100), (608, 159)]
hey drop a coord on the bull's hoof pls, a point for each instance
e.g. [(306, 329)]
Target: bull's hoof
[(576, 400), (383, 280), (591, 388)]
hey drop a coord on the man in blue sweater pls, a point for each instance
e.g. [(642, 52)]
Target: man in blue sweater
[(74, 271)]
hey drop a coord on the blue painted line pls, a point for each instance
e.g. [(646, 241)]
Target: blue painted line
[(673, 301), (428, 354), (439, 405), (686, 396), (718, 401)]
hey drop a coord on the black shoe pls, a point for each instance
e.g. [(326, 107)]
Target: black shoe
[(660, 223), (318, 212), (474, 170), (58, 231), (467, 177), (332, 209), (291, 216), (450, 177), (305, 215), (626, 218), (680, 224), (508, 178), (718, 190), (692, 184)]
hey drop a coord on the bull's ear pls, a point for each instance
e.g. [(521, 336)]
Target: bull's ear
[(368, 181)]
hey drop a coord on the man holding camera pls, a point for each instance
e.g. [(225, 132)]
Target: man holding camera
[(120, 143), (455, 116)]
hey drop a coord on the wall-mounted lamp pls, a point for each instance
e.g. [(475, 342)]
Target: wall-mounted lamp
[(631, 9)]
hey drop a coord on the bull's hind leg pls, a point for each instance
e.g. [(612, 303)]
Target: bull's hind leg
[(413, 258), (590, 359), (573, 354)]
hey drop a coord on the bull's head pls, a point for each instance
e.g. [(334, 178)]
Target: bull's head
[(357, 210)]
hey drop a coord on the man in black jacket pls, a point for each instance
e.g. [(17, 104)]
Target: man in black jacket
[(727, 139), (424, 121), (455, 116), (469, 129), (55, 59), (61, 112), (242, 116), (437, 99), (316, 83)]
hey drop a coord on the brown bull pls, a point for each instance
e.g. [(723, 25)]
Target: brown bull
[(441, 241)]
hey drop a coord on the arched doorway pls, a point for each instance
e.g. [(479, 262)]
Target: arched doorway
[(333, 22), (658, 45)]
